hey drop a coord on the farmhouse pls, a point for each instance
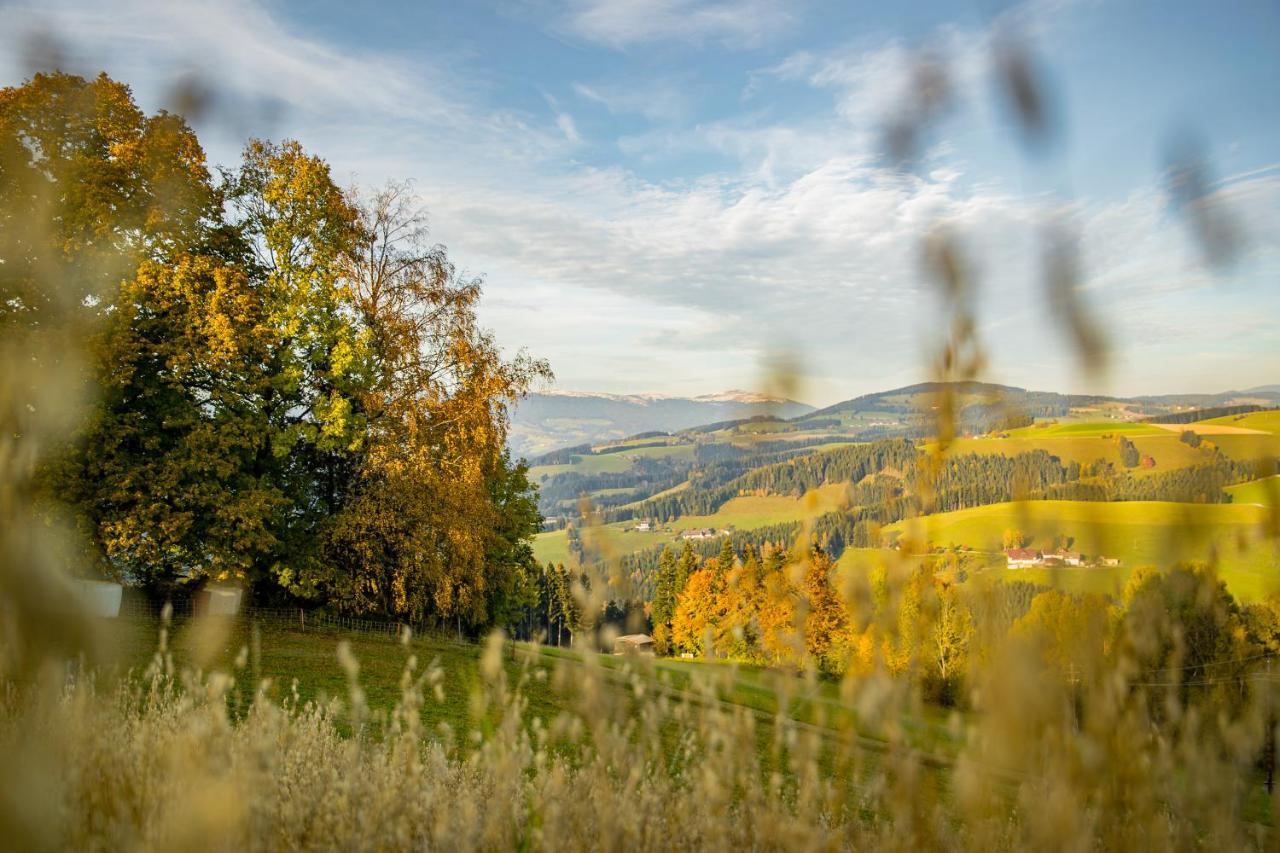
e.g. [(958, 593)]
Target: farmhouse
[(633, 644), (1021, 558), (698, 533), (1067, 558), (644, 526)]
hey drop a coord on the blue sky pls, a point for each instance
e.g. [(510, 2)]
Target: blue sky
[(669, 196)]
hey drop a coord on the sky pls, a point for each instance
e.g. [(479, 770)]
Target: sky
[(678, 197)]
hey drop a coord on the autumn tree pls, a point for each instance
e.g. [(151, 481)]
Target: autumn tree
[(1069, 631), (436, 410), (91, 187), (1012, 538), (1183, 623), (120, 208), (781, 641), (826, 622), (1129, 455), (296, 390), (698, 611), (951, 633)]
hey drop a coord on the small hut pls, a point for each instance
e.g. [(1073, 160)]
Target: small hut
[(218, 601), (97, 598), (633, 644)]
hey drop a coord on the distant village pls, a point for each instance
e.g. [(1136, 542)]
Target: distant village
[(689, 535), (1026, 558), (1016, 558)]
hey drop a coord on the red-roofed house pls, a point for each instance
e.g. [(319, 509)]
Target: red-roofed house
[(1021, 558)]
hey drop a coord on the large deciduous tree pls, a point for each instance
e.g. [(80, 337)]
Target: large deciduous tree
[(295, 389), (437, 510)]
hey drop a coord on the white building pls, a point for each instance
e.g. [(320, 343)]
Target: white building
[(1022, 558)]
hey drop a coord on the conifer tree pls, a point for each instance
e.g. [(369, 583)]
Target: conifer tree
[(664, 592), (726, 558), (685, 568)]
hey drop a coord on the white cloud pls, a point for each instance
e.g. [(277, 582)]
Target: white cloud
[(269, 79), (625, 23), (685, 285), (564, 121), (655, 100)]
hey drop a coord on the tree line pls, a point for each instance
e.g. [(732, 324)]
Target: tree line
[(781, 608)]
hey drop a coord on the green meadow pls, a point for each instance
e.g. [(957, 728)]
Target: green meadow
[(609, 463), (1089, 445), (746, 512), (291, 664), (1083, 429), (1267, 421), (1137, 533), (1264, 492)]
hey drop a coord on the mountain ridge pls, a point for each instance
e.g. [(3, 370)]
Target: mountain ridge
[(557, 419)]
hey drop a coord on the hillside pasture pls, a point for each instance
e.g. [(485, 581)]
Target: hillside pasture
[(1258, 447), (1264, 492), (1083, 429), (609, 463), (1265, 421), (1136, 532), (1207, 428), (746, 512), (1168, 451)]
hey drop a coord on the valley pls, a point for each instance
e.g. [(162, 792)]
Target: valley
[(1105, 476)]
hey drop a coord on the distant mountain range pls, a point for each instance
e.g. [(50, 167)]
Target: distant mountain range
[(544, 422)]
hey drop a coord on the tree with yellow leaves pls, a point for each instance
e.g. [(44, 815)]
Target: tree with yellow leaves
[(826, 622), (698, 612), (295, 387)]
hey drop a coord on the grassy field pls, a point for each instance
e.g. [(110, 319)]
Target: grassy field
[(1248, 448), (1084, 429), (1264, 492), (609, 463), (305, 664), (742, 513), (1268, 421), (1136, 532), (308, 661), (1165, 448)]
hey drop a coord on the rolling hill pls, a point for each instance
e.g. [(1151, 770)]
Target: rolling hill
[(766, 479), (545, 422)]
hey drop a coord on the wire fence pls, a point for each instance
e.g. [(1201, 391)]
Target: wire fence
[(281, 618)]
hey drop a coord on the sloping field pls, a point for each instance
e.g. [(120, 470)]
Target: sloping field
[(742, 513), (1250, 575), (1136, 532), (1165, 448), (1155, 533), (609, 463), (1084, 429), (1268, 421), (1207, 428), (1248, 448), (1264, 492)]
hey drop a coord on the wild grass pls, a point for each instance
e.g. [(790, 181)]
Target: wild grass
[(637, 755)]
